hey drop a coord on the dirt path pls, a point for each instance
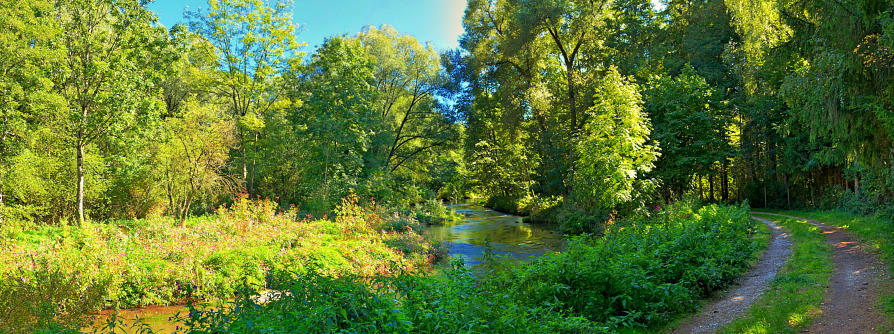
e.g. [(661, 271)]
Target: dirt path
[(729, 305), (852, 302)]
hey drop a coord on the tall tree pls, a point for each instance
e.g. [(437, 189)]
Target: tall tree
[(27, 34), (407, 73), (111, 50), (255, 43)]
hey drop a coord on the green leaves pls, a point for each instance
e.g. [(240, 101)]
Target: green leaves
[(691, 129), (612, 152)]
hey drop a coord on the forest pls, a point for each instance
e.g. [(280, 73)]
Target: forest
[(224, 166)]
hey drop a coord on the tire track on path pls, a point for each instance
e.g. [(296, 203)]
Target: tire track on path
[(852, 302), (729, 305)]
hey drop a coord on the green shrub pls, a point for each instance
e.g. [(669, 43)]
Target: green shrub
[(641, 274), (433, 211), (637, 276), (47, 298), (307, 303)]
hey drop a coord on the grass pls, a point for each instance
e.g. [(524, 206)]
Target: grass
[(48, 271), (875, 232), (793, 298)]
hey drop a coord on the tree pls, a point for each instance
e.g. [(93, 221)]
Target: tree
[(406, 77), (195, 156), (111, 48), (198, 133), (255, 43), (613, 153), (571, 26), (339, 101), (26, 50), (690, 128)]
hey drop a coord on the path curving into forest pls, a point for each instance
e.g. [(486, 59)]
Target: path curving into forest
[(852, 302), (727, 306)]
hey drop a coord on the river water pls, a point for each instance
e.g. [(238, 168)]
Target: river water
[(507, 235)]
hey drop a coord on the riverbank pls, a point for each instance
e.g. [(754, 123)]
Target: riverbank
[(638, 276), (65, 274)]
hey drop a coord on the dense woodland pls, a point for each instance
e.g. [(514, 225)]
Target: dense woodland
[(576, 112), (607, 104)]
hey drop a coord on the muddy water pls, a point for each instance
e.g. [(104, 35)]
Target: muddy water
[(507, 235), (467, 239), (161, 319)]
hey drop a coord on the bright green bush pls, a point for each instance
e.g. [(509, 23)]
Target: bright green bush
[(641, 274)]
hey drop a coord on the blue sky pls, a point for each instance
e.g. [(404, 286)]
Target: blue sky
[(435, 21)]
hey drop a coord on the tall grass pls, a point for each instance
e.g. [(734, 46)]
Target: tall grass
[(61, 274)]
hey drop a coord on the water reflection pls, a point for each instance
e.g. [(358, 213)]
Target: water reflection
[(159, 318), (507, 234)]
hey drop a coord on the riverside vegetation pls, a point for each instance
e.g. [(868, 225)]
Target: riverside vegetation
[(637, 276)]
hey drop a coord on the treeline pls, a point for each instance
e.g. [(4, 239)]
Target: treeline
[(108, 114), (576, 111), (613, 104)]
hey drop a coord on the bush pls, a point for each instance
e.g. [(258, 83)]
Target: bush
[(640, 274), (158, 262), (47, 297), (306, 303), (433, 211), (637, 276)]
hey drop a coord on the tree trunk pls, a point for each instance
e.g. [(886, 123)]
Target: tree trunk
[(80, 184), (254, 148), (788, 191), (572, 97), (185, 213), (244, 162), (699, 181), (711, 183), (2, 203), (724, 183)]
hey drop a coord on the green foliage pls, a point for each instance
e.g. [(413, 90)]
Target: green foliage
[(43, 296), (636, 277), (641, 274), (691, 130), (613, 152), (76, 271)]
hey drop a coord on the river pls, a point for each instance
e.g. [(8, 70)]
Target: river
[(507, 234), (467, 239)]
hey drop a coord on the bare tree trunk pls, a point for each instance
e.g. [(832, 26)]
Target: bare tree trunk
[(254, 148), (2, 202), (80, 184), (699, 180), (724, 183), (244, 161), (572, 97), (185, 212), (711, 183), (788, 191)]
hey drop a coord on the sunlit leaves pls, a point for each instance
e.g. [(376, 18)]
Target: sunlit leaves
[(613, 152)]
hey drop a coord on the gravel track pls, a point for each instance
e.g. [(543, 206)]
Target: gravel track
[(727, 306), (852, 303)]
